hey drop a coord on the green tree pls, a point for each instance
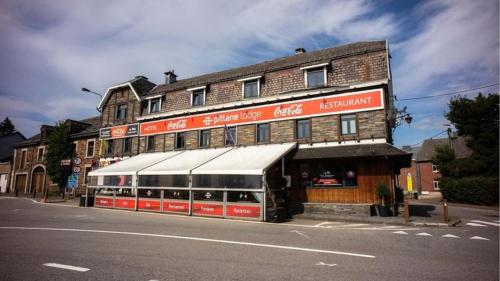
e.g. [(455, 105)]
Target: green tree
[(478, 120), (6, 127), (59, 148)]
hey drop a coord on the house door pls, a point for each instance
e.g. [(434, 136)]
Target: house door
[(37, 180), (21, 183), (3, 183)]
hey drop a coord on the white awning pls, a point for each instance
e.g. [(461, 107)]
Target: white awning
[(249, 160), (133, 164), (182, 164)]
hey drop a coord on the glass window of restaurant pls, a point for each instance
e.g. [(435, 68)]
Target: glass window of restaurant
[(328, 173)]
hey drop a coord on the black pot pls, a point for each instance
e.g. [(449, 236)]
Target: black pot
[(383, 211)]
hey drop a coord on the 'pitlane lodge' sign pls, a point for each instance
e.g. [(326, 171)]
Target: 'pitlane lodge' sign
[(333, 104), (117, 132)]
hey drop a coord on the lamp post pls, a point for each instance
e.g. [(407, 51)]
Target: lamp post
[(92, 92)]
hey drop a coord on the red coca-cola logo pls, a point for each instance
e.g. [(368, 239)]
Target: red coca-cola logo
[(175, 125), (282, 111)]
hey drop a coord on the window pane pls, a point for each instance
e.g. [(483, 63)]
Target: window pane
[(90, 149), (348, 124), (227, 181), (352, 126), (118, 180), (303, 129), (251, 89), (164, 180), (179, 141), (230, 136), (315, 78), (155, 105), (262, 132), (150, 143), (204, 138), (121, 111), (127, 145), (198, 97), (149, 193)]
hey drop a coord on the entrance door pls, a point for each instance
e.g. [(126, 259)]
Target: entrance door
[(37, 180), (21, 183), (3, 183)]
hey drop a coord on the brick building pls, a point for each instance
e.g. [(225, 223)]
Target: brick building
[(423, 172), (29, 173), (7, 143), (335, 106)]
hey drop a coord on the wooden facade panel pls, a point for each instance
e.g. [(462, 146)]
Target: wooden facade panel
[(370, 173)]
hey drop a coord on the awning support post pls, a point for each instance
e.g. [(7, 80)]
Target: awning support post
[(190, 194), (264, 197), (86, 196)]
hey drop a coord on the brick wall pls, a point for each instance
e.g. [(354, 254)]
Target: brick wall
[(120, 96), (371, 123), (246, 134), (217, 137), (283, 131), (325, 127)]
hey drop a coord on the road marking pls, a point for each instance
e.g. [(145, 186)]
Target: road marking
[(327, 264), (485, 222), (353, 225), (389, 227), (423, 234), (479, 238), (321, 224), (194, 239), (400, 232), (300, 233), (16, 210), (68, 267), (450, 236), (476, 224)]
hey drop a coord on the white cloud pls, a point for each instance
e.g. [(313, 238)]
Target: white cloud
[(53, 48), (457, 42)]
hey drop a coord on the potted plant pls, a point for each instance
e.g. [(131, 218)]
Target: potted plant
[(383, 194)]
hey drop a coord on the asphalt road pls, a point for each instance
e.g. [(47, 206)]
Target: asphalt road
[(103, 244)]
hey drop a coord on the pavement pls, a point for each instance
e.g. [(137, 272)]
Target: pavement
[(59, 241), (427, 211)]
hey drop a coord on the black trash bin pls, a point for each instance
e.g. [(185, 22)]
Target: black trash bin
[(90, 202)]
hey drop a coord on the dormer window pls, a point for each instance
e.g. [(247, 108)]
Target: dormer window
[(198, 96), (121, 111), (315, 75), (152, 104), (250, 87)]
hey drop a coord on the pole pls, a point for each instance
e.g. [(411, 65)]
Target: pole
[(445, 210), (406, 208)]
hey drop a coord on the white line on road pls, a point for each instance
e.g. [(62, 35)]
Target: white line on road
[(479, 238), (475, 224), (450, 236), (194, 239), (423, 234), (485, 222), (300, 233), (353, 225), (68, 267), (327, 264), (400, 232)]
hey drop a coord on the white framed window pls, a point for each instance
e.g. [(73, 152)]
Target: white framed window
[(198, 95), (263, 133), (250, 87), (348, 124), (22, 162), (75, 145), (89, 152), (230, 137), (153, 104), (315, 75), (435, 184), (40, 154), (435, 168), (150, 143), (180, 140)]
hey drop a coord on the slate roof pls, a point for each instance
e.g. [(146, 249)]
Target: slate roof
[(350, 151), (304, 59), (428, 148), (93, 130), (7, 144), (141, 85)]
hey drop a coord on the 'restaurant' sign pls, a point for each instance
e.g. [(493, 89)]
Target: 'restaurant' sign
[(334, 104), (117, 132)]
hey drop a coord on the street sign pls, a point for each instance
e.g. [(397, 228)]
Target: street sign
[(73, 181), (77, 160), (76, 169), (66, 162)]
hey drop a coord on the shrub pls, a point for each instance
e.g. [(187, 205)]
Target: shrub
[(383, 192), (470, 190)]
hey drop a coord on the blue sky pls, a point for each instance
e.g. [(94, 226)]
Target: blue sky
[(50, 49)]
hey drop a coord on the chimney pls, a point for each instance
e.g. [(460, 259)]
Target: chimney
[(300, 51), (170, 77)]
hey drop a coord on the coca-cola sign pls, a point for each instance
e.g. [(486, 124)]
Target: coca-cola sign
[(325, 105)]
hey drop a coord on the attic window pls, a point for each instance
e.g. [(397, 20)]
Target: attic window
[(250, 87), (315, 75), (198, 95), (154, 105)]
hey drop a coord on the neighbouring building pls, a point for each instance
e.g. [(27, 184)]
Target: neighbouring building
[(313, 129), (29, 173), (423, 173), (7, 143)]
